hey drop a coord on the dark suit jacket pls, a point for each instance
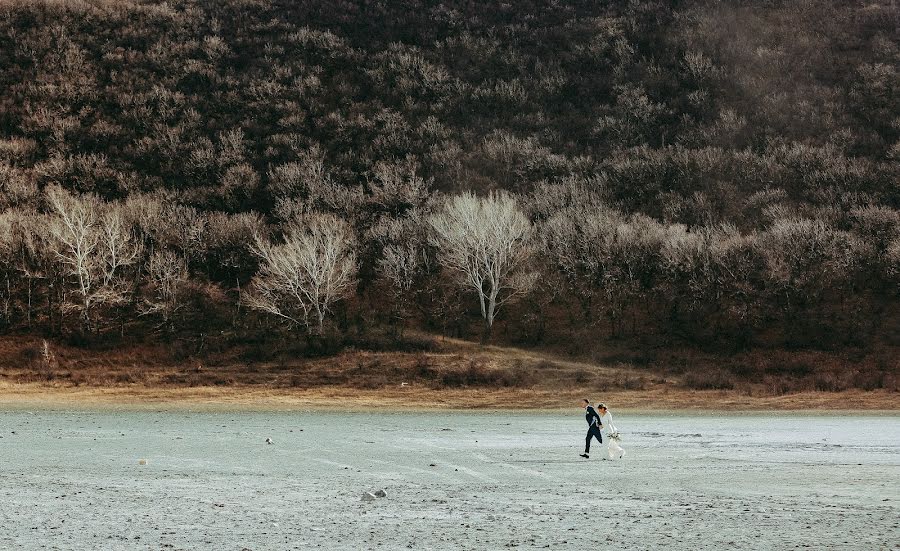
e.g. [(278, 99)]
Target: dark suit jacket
[(590, 415)]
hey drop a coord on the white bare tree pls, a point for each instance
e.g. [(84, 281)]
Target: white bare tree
[(486, 241), (299, 280), (93, 245)]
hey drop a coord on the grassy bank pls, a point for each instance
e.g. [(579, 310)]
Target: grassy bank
[(415, 398), (442, 373)]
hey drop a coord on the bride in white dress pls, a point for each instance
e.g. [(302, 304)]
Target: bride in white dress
[(613, 448)]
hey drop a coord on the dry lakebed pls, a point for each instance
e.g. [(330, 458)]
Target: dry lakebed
[(176, 479)]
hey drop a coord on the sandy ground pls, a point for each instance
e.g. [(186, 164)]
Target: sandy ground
[(72, 480), (260, 397)]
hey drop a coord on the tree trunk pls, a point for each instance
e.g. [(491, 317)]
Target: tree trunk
[(6, 301), (321, 319), (486, 333), (28, 312), (489, 317)]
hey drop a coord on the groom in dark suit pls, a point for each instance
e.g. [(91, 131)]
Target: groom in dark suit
[(594, 426)]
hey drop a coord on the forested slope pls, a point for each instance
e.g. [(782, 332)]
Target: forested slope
[(667, 175)]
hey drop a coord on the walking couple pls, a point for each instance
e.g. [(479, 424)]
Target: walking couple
[(598, 424)]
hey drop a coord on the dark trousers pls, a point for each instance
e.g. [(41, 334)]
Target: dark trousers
[(594, 431)]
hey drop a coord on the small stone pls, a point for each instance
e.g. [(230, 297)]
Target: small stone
[(142, 462), (381, 493), (269, 441)]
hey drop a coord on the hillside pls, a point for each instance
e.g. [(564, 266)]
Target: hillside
[(708, 189)]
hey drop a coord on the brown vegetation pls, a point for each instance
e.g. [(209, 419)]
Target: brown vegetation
[(450, 374)]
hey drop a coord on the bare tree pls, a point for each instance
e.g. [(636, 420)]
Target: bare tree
[(299, 280), (893, 258), (167, 273), (396, 187), (34, 260), (486, 242), (93, 245), (400, 265), (76, 241), (404, 263), (804, 260), (8, 242), (23, 259)]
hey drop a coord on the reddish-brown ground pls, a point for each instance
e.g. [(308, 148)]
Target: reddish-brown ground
[(455, 375)]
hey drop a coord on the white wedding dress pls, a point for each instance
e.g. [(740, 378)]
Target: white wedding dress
[(613, 449)]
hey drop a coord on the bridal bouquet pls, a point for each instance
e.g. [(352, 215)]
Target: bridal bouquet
[(614, 435)]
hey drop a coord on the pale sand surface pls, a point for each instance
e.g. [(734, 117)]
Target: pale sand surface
[(481, 480)]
